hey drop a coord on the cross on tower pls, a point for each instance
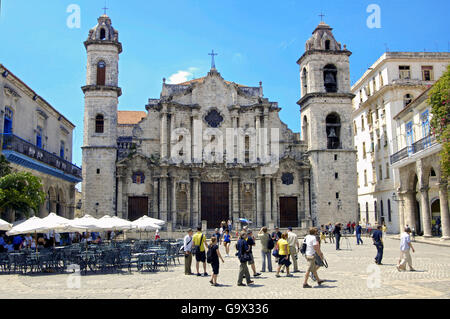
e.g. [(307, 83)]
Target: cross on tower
[(321, 15), (105, 8), (213, 63)]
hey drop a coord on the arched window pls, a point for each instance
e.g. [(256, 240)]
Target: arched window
[(39, 137), (367, 212), (305, 81), (61, 149), (389, 211), (102, 34), (327, 45), (375, 211), (305, 129), (333, 127), (101, 73), (99, 124), (8, 121), (407, 99), (330, 78)]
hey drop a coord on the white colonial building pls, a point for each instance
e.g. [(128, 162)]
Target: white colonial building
[(385, 89)]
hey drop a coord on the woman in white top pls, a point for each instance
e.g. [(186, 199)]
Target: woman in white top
[(312, 248)]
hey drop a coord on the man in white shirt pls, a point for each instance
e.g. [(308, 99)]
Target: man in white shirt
[(405, 255), (312, 247), (293, 247), (187, 247)]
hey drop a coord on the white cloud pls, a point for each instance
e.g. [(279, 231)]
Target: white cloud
[(182, 76)]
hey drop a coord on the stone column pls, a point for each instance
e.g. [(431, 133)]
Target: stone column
[(163, 135), (195, 201), (445, 217), (119, 203), (171, 129), (268, 202), (426, 211), (410, 209), (258, 135), (274, 204), (306, 198), (401, 211), (266, 150), (163, 197), (173, 202), (235, 196), (155, 199), (259, 203)]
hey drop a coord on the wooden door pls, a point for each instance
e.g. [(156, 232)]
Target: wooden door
[(215, 203), (288, 212), (137, 207)]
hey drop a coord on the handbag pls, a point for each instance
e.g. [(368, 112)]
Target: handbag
[(196, 249), (275, 251), (319, 261)]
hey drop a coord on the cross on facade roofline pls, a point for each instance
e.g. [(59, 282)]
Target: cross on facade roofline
[(213, 63), (321, 15), (105, 8)]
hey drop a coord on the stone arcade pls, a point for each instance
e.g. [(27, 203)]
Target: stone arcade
[(179, 162)]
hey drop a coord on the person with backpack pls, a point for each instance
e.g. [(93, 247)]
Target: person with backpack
[(311, 248), (187, 247), (199, 249), (242, 253), (283, 253), (267, 245), (252, 242), (212, 258)]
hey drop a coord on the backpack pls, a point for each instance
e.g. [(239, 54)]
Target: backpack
[(303, 249), (270, 243), (209, 255), (196, 248)]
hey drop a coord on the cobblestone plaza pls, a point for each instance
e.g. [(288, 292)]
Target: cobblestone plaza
[(351, 274)]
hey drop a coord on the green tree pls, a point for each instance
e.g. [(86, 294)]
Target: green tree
[(21, 192), (439, 100), (5, 169)]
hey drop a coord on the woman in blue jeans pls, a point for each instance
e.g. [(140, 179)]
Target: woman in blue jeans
[(358, 231)]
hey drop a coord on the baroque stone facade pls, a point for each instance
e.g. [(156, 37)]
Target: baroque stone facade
[(206, 150)]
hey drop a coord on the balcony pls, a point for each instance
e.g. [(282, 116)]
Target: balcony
[(14, 148), (418, 146)]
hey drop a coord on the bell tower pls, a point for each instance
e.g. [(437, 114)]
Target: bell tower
[(326, 113), (100, 119)]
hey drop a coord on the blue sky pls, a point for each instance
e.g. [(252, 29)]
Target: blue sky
[(256, 41)]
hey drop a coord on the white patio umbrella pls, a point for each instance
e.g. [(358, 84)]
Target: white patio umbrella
[(89, 223), (60, 224), (146, 224), (4, 225), (114, 223), (31, 225)]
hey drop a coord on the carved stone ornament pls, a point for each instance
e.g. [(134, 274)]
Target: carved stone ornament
[(214, 119), (287, 178)]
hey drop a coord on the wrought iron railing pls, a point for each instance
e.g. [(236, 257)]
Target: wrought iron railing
[(418, 146), (14, 143)]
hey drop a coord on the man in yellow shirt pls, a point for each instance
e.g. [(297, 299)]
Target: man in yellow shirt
[(199, 248)]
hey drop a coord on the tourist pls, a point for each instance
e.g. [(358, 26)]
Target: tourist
[(369, 229), (358, 232), (242, 252), (17, 242), (384, 230), (214, 252), (157, 237), (337, 234), (331, 233), (353, 227), (187, 247), (217, 235), (276, 235), (293, 247), (323, 234), (349, 227), (283, 253), (312, 248), (251, 243), (199, 250), (266, 250), (377, 237), (2, 240), (9, 247), (227, 242), (230, 226), (405, 247)]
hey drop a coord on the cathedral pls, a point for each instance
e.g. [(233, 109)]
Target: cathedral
[(209, 150)]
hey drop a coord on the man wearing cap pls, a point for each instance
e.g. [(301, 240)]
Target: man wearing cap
[(187, 252), (293, 247), (405, 246)]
